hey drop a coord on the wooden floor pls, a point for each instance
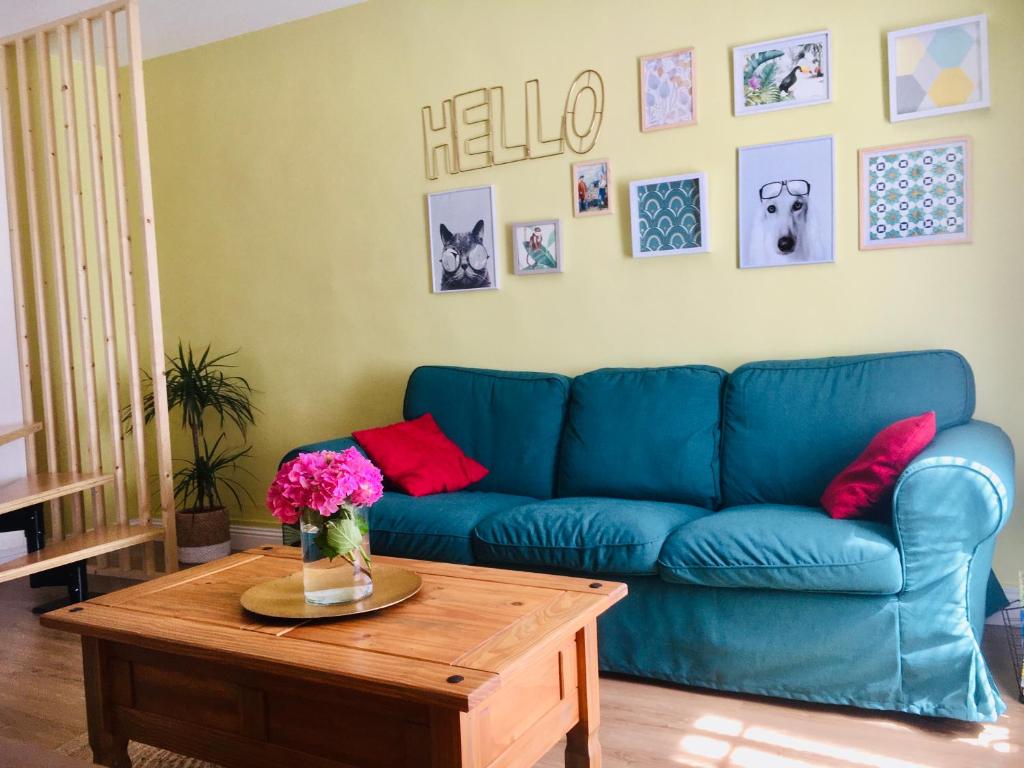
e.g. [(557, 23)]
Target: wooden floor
[(644, 725)]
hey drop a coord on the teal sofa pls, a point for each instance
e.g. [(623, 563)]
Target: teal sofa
[(700, 490)]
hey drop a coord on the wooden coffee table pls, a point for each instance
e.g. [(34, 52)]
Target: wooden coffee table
[(483, 668)]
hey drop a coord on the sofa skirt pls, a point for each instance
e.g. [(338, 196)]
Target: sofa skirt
[(826, 648)]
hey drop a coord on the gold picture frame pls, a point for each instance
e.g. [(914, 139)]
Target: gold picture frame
[(922, 196), (646, 123)]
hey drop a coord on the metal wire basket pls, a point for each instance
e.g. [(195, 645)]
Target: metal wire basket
[(1012, 621)]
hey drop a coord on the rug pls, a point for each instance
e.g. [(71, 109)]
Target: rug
[(143, 755)]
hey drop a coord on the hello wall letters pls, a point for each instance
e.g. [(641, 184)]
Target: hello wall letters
[(470, 130)]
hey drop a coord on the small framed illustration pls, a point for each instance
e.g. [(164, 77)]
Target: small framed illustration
[(780, 74), (939, 68), (669, 216), (668, 90), (591, 188), (787, 203), (915, 194), (463, 248), (537, 246)]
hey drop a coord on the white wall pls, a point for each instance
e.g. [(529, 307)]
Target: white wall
[(12, 455)]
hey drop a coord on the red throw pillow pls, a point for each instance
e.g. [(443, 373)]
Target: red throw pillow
[(871, 477), (418, 457)]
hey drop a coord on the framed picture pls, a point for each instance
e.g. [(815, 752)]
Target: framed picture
[(463, 248), (787, 203), (938, 68), (668, 90), (784, 73), (669, 216), (537, 246), (915, 194), (591, 188)]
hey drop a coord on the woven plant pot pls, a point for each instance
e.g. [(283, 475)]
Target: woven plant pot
[(203, 535)]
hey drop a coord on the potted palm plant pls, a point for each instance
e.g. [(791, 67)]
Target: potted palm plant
[(201, 386)]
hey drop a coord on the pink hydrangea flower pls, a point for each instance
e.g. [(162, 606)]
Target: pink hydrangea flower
[(323, 481)]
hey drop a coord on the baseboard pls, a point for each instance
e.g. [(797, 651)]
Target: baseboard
[(249, 536)]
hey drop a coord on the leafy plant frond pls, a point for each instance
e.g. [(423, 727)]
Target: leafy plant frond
[(200, 484), (198, 384)]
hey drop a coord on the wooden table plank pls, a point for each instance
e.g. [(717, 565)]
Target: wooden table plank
[(380, 673), (447, 618), (500, 651), (474, 572), (136, 591)]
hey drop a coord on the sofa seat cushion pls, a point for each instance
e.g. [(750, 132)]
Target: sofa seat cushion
[(435, 527), (592, 535), (799, 549), (644, 433)]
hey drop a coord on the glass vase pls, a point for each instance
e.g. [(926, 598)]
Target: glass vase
[(336, 563)]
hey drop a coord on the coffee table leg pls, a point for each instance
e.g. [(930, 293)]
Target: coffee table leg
[(107, 748), (582, 748), (450, 739)]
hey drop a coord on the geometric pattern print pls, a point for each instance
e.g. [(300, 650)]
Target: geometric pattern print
[(938, 68), (669, 215), (916, 192)]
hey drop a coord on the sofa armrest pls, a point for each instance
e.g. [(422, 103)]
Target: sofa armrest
[(954, 496), (948, 506)]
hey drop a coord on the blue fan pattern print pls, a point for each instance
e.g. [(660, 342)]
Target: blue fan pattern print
[(669, 215)]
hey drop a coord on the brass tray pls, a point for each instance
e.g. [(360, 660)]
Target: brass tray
[(284, 598)]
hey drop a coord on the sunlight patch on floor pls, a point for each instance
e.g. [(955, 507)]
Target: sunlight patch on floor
[(705, 746), (994, 737), (747, 757), (731, 742), (725, 726)]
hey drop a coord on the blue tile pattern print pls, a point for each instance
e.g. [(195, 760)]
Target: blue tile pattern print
[(916, 192), (669, 215)]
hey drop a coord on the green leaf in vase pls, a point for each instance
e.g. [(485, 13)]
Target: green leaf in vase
[(343, 536)]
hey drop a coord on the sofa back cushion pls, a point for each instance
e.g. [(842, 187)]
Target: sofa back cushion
[(789, 427), (509, 422), (644, 433)]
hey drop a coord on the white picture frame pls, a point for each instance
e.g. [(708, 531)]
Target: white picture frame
[(813, 77), (523, 260), (649, 204), (812, 235), (453, 217), (909, 63)]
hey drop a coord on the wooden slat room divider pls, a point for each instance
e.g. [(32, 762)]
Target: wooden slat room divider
[(80, 207)]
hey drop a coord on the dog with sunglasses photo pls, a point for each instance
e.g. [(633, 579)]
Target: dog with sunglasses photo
[(786, 205), (783, 231)]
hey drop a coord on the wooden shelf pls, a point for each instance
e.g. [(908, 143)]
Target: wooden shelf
[(35, 489), (11, 432), (79, 547)]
